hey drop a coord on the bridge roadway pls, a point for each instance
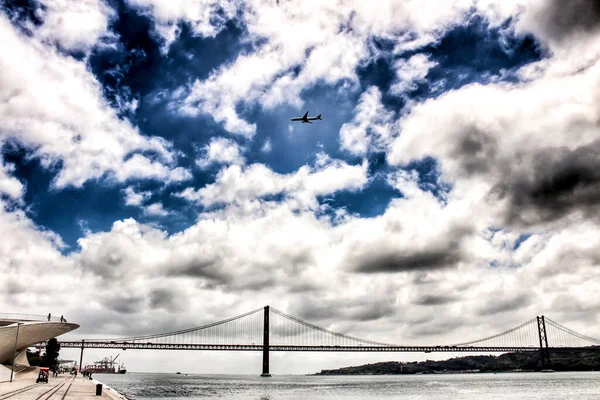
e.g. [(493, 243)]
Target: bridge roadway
[(256, 347)]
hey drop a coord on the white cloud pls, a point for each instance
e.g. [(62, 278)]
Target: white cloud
[(371, 127), (156, 210), (53, 105), (33, 270), (267, 146), (410, 72), (9, 185), (206, 17), (516, 115), (74, 25), (140, 167), (133, 198), (512, 140), (237, 184), (307, 36), (221, 151)]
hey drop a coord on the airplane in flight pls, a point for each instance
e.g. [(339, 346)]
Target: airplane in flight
[(306, 119)]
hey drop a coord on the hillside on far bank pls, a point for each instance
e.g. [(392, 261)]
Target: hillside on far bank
[(582, 360)]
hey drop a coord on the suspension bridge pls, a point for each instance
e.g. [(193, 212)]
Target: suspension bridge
[(268, 329)]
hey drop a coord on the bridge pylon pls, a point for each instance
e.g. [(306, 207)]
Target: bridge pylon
[(265, 363), (543, 335)]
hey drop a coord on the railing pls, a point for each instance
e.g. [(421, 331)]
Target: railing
[(259, 347), (27, 317)]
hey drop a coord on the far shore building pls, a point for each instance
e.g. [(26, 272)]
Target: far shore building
[(31, 329)]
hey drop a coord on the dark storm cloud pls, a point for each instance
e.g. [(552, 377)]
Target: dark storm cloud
[(424, 278), (256, 281), (558, 19), (124, 304), (209, 268), (475, 148), (165, 299), (374, 311), (567, 308), (559, 182), (285, 269), (436, 327), (434, 300), (500, 304), (106, 264), (117, 259), (108, 323), (313, 310), (302, 287), (14, 287), (443, 256)]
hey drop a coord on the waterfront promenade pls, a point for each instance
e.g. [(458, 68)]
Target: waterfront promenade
[(63, 387)]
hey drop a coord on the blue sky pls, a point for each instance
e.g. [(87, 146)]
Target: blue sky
[(147, 146)]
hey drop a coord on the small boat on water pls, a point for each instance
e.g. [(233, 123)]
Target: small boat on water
[(547, 370), (178, 373)]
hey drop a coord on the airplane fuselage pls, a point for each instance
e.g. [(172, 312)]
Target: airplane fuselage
[(306, 119)]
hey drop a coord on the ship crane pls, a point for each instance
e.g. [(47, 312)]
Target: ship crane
[(106, 365)]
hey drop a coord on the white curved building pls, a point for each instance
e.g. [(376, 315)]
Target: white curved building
[(32, 329)]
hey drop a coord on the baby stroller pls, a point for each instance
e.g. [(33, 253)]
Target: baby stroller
[(43, 375)]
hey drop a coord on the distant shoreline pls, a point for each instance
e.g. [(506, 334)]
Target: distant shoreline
[(571, 361)]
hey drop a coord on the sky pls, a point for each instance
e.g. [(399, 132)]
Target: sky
[(151, 179)]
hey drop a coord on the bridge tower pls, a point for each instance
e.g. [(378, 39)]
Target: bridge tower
[(544, 351), (265, 365)]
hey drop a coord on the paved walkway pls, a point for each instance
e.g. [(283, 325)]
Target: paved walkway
[(64, 387)]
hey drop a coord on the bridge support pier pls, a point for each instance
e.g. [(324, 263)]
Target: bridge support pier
[(544, 351), (81, 358), (265, 363)]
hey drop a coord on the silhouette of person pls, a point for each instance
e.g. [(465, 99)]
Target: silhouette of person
[(48, 317)]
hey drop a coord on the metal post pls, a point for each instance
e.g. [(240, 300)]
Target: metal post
[(12, 369), (81, 357), (543, 335), (265, 366)]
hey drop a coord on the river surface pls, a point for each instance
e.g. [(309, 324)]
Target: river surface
[(522, 386)]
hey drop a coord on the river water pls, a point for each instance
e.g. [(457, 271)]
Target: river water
[(522, 386)]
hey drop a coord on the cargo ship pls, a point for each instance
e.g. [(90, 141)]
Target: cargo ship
[(106, 365)]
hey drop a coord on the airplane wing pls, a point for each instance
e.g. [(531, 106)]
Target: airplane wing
[(308, 121), (305, 115)]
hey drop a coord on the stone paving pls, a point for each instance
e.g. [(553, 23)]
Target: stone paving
[(64, 387)]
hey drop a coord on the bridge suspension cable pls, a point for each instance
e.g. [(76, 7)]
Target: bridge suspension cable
[(524, 335), (527, 335), (289, 330), (561, 336), (246, 327)]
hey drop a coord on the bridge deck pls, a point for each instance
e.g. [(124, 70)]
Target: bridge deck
[(253, 347)]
